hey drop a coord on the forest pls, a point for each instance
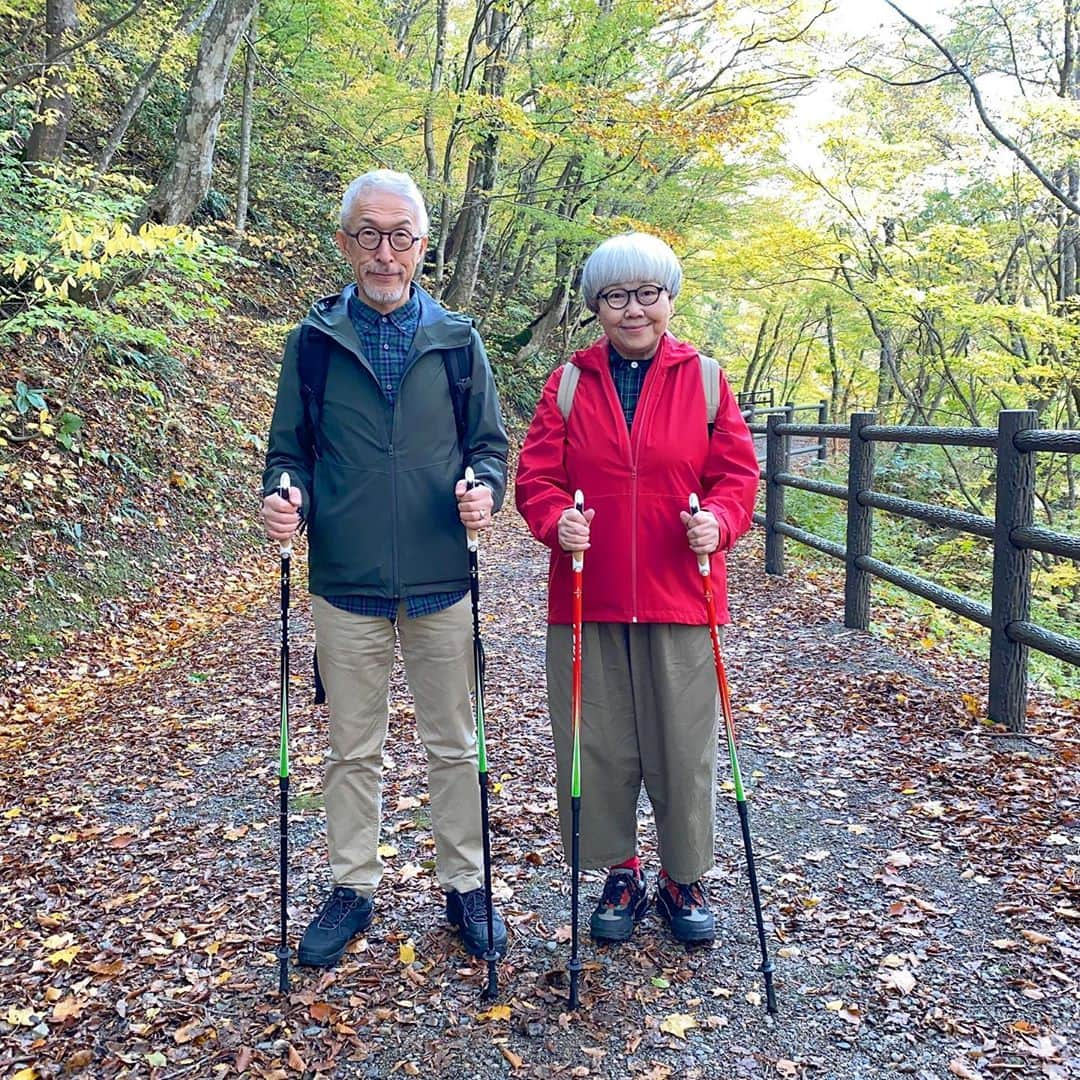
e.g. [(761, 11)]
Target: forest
[(876, 208)]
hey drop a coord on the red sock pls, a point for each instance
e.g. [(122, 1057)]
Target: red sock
[(633, 863)]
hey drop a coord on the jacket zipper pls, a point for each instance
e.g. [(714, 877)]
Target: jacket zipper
[(635, 446), (395, 544)]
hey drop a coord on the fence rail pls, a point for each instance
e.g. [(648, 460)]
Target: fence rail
[(1011, 529)]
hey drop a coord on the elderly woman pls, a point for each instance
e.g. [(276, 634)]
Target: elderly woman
[(635, 437)]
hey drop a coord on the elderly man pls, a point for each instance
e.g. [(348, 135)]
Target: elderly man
[(384, 398)]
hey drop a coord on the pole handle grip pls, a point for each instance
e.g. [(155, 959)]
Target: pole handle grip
[(577, 560), (702, 560), (283, 491), (472, 537)]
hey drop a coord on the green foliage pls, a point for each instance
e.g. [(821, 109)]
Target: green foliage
[(956, 560), (69, 262)]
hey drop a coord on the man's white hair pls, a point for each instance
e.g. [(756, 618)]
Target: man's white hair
[(396, 183)]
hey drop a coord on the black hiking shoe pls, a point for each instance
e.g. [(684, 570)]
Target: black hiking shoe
[(623, 902), (686, 909), (467, 913), (341, 918)]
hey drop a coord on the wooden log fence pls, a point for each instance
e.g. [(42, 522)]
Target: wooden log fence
[(1015, 441)]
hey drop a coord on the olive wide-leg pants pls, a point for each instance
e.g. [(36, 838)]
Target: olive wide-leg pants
[(649, 715)]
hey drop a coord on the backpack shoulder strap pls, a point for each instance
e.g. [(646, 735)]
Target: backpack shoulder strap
[(710, 380), (312, 363), (458, 363), (567, 385)]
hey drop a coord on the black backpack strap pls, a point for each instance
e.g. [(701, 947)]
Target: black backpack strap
[(313, 361), (458, 364)]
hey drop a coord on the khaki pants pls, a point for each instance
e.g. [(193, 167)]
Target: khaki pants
[(356, 654), (649, 713)]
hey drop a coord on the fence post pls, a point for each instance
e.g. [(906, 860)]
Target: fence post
[(822, 418), (789, 412), (775, 462), (860, 524), (1011, 598)]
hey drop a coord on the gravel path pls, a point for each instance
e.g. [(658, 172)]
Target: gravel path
[(920, 877)]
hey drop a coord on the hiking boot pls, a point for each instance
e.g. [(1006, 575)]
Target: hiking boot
[(686, 909), (467, 913), (342, 917), (623, 902)]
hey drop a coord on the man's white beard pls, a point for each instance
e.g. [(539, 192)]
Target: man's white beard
[(385, 296)]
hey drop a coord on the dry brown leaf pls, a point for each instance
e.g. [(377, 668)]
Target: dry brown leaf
[(515, 1060), (958, 1067), (68, 1009)]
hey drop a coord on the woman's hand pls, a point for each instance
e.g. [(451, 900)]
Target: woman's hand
[(574, 529), (702, 531)]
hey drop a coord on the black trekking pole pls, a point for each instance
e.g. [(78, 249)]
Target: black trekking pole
[(766, 967), (577, 564), (283, 756), (473, 542)]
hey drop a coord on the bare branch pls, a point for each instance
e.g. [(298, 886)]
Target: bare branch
[(898, 82), (958, 69)]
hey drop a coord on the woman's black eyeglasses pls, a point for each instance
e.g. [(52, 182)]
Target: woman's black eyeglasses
[(370, 239), (646, 295)]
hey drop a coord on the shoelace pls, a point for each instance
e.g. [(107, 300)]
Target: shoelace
[(690, 896), (616, 886), (337, 909), (474, 905)]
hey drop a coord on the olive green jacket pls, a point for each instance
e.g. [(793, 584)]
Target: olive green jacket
[(378, 498)]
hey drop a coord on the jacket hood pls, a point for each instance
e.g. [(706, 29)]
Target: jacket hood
[(670, 352)]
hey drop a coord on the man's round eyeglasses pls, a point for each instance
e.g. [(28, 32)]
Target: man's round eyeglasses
[(370, 239), (646, 295)]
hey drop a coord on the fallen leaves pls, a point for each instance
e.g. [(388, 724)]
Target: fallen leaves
[(678, 1024)]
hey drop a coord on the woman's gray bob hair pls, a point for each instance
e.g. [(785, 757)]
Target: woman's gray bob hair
[(632, 256), (396, 183)]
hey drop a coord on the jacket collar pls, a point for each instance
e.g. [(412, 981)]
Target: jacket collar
[(439, 328), (670, 352)]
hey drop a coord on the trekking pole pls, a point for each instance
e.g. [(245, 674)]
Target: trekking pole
[(283, 755), (578, 564), (766, 967), (473, 542)]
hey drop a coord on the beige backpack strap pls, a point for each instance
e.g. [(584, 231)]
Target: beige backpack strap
[(567, 385), (710, 380)]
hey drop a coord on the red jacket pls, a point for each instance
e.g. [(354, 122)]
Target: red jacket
[(639, 567)]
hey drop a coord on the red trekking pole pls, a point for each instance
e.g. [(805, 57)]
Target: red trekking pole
[(766, 967), (578, 564)]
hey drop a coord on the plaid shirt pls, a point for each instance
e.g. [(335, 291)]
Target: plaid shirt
[(629, 377), (386, 340)]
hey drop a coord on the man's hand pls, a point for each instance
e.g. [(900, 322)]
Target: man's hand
[(281, 519), (702, 531), (474, 506), (574, 529)]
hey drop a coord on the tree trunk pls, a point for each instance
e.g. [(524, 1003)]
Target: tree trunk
[(49, 133), (555, 310), (140, 91), (187, 179), (250, 64), (472, 225), (433, 93)]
